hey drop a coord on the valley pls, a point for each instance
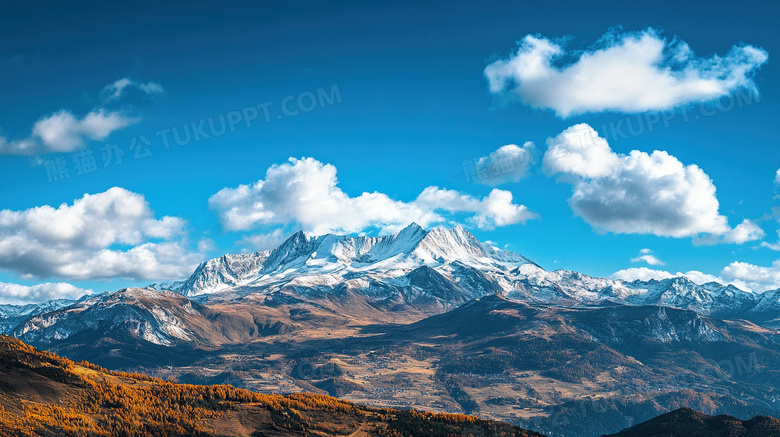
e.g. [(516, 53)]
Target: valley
[(43, 394)]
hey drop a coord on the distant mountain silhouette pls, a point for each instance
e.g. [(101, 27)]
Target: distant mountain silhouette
[(686, 422)]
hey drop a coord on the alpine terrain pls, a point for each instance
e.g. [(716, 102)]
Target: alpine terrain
[(435, 320)]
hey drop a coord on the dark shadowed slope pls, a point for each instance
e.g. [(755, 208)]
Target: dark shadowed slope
[(691, 423)]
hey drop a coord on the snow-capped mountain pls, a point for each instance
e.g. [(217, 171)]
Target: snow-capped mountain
[(154, 316), (11, 315), (218, 274), (443, 268), (8, 310), (328, 260), (325, 279), (710, 299), (162, 318)]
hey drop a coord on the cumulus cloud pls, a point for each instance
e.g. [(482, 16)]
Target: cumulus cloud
[(641, 274), (16, 294), (757, 278), (106, 235), (639, 193), (627, 72), (743, 232), (305, 191), (509, 163), (63, 131), (777, 177), (115, 90), (489, 212), (646, 255)]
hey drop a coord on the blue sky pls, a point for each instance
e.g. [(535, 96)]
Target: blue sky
[(393, 98)]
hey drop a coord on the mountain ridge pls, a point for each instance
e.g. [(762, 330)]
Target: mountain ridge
[(689, 422), (325, 262)]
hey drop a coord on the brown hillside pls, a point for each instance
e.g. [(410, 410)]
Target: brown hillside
[(42, 394)]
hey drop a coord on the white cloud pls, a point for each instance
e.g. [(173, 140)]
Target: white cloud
[(116, 89), (63, 131), (772, 246), (650, 259), (757, 278), (580, 151), (646, 255), (641, 273), (494, 210), (627, 72), (639, 193), (777, 176), (105, 235), (16, 294), (743, 232), (304, 191), (509, 163), (206, 245), (775, 215)]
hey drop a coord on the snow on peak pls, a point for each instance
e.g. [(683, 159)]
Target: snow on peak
[(432, 246), (328, 262), (403, 242), (219, 273), (313, 257), (449, 244)]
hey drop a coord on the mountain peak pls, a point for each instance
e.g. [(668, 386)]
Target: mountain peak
[(325, 260), (442, 243), (299, 236), (411, 232), (412, 226)]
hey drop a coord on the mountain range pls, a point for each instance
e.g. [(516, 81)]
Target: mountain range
[(385, 268), (435, 319)]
